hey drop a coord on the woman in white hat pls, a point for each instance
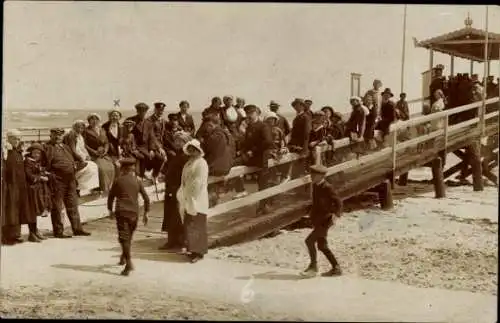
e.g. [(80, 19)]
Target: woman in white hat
[(193, 200)]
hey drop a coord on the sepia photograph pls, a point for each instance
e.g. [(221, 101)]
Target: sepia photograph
[(229, 161)]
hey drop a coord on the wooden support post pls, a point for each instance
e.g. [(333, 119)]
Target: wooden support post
[(474, 158), (452, 65), (437, 178), (403, 179), (385, 195)]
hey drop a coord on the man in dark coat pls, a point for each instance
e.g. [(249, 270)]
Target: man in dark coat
[(308, 105), (256, 150), (126, 190), (219, 148), (326, 206), (215, 109), (438, 83), (62, 162), (172, 221), (283, 123), (145, 139), (159, 125), (387, 112), (185, 119), (299, 137), (402, 111), (16, 206)]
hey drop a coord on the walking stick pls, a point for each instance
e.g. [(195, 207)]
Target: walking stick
[(154, 181)]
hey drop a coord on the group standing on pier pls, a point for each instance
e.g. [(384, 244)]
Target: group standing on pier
[(102, 158)]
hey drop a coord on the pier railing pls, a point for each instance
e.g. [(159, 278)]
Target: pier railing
[(393, 146)]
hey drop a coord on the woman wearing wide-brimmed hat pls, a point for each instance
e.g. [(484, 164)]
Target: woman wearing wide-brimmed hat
[(193, 200)]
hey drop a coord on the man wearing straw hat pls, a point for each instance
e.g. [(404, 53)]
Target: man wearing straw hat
[(283, 123)]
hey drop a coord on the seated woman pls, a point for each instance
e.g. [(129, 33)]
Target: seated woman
[(113, 130), (88, 176), (97, 145)]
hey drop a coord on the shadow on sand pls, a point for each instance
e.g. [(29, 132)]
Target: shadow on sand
[(272, 275), (147, 249), (102, 269)]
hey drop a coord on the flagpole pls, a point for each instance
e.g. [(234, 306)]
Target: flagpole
[(403, 52), (485, 76)]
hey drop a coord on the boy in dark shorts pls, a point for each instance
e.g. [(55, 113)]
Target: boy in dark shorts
[(326, 207), (126, 190)]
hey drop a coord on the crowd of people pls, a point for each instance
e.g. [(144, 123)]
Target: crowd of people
[(231, 133)]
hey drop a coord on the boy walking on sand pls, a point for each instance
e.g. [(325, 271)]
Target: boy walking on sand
[(326, 207), (126, 190)]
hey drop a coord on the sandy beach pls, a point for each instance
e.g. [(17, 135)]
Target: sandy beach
[(446, 244)]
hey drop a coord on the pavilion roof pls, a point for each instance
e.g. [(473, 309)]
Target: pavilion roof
[(467, 43)]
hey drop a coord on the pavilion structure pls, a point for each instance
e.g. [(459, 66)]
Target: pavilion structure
[(476, 45), (470, 43)]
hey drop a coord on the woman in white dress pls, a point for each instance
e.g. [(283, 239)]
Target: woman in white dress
[(87, 177), (193, 200), (438, 106)]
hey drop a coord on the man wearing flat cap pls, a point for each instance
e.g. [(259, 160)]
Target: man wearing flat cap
[(326, 208), (145, 140), (215, 108), (256, 150), (159, 128), (308, 105), (283, 123), (299, 137), (63, 162)]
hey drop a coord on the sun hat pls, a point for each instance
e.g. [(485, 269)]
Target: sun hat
[(193, 143)]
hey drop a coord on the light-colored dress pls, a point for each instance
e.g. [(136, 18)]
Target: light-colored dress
[(88, 177), (437, 107), (193, 192)]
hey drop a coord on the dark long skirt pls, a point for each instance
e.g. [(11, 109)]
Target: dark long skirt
[(172, 222), (40, 197), (196, 233)]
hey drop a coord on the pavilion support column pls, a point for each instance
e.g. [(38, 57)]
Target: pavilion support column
[(471, 67), (385, 195), (438, 178), (452, 65), (431, 58), (473, 152)]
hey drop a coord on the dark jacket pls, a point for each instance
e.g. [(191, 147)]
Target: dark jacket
[(114, 142), (258, 140), (16, 204), (402, 108), (356, 122), (158, 127), (219, 149), (144, 136), (188, 124), (283, 124), (325, 203), (301, 129), (62, 161), (173, 172), (438, 84), (388, 116), (126, 190), (94, 141)]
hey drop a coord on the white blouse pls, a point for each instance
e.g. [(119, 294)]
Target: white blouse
[(80, 147), (193, 192)]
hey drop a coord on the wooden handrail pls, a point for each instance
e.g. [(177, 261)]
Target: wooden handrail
[(363, 160)]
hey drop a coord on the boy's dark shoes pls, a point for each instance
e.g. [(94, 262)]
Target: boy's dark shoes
[(334, 272), (82, 233), (40, 236), (311, 271), (33, 238), (62, 236)]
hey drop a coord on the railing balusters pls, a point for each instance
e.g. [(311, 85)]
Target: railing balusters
[(394, 153)]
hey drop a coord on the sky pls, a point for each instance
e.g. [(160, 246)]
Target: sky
[(80, 55)]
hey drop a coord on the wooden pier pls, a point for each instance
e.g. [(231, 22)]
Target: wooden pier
[(235, 220)]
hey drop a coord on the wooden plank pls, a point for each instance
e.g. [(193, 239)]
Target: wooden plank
[(452, 170)]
